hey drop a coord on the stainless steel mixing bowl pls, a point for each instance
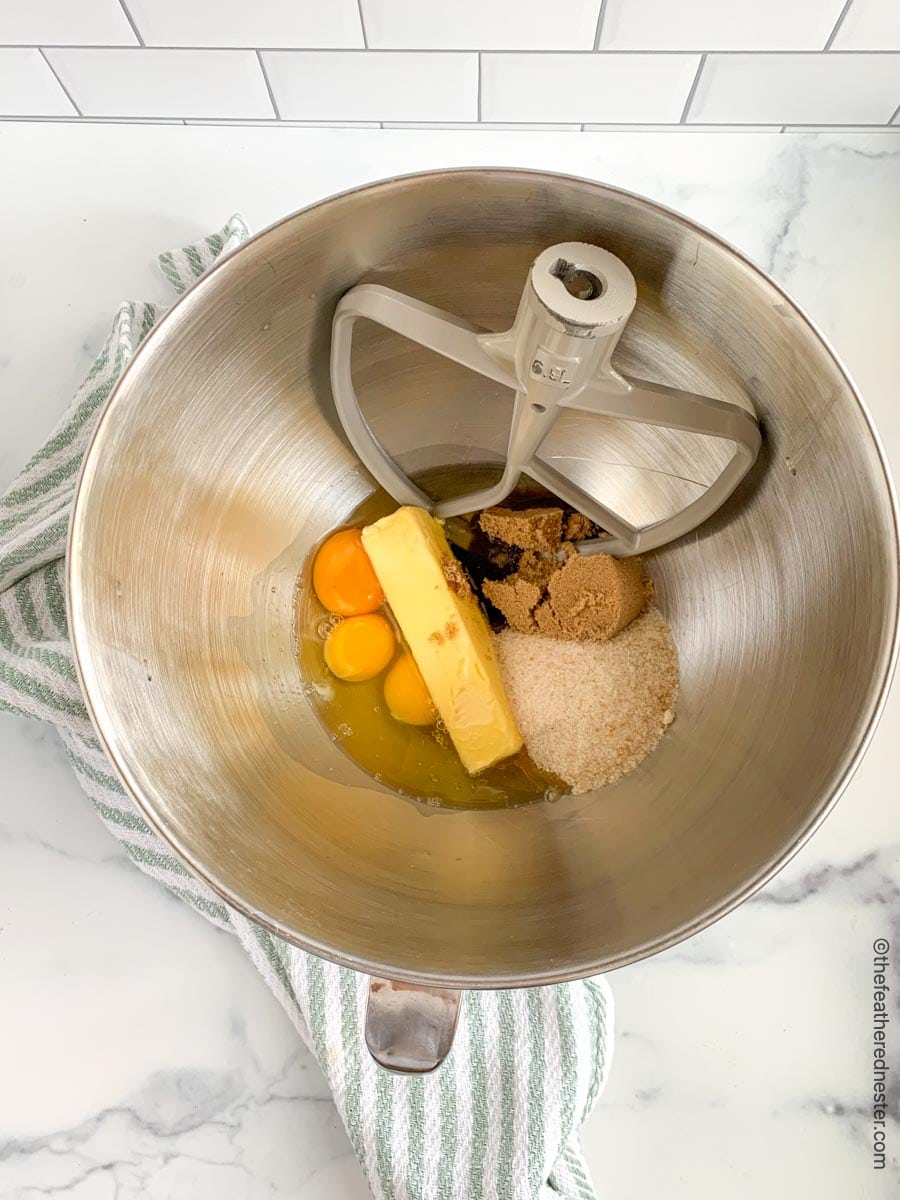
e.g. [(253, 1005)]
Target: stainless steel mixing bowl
[(218, 464)]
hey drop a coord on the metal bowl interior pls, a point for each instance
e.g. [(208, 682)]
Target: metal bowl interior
[(218, 465)]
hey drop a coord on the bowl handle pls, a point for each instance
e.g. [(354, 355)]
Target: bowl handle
[(410, 1029)]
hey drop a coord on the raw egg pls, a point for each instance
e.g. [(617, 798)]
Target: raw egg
[(343, 577), (406, 695), (360, 647)]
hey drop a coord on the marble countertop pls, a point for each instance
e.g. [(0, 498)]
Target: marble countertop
[(140, 1054)]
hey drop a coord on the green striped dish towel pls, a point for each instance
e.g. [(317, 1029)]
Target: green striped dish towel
[(499, 1119)]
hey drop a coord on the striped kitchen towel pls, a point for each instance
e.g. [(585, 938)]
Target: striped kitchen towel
[(500, 1118)]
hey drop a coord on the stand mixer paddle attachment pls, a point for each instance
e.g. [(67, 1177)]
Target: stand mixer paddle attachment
[(557, 355)]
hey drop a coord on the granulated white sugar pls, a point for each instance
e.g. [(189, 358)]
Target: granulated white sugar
[(591, 711)]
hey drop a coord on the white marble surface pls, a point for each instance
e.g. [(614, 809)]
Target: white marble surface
[(139, 1053)]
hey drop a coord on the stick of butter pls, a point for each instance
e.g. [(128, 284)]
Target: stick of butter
[(447, 633)]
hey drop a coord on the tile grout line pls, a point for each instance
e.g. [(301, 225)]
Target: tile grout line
[(272, 122), (130, 19), (265, 75), (478, 102), (690, 96), (362, 24), (837, 25), (599, 30), (73, 120), (535, 126), (68, 94), (836, 54)]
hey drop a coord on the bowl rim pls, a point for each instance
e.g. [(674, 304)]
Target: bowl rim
[(549, 975)]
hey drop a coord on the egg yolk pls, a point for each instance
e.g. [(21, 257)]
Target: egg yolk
[(406, 695), (360, 647), (343, 577)]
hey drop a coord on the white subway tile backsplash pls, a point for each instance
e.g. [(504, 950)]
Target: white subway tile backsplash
[(798, 89), (164, 83), (457, 64), (248, 23), (481, 25), (718, 24), (593, 88), (27, 87), (64, 22), (870, 25), (384, 86)]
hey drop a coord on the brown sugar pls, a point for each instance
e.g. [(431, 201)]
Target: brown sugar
[(595, 691), (578, 527), (517, 598), (526, 528), (537, 568), (589, 598)]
